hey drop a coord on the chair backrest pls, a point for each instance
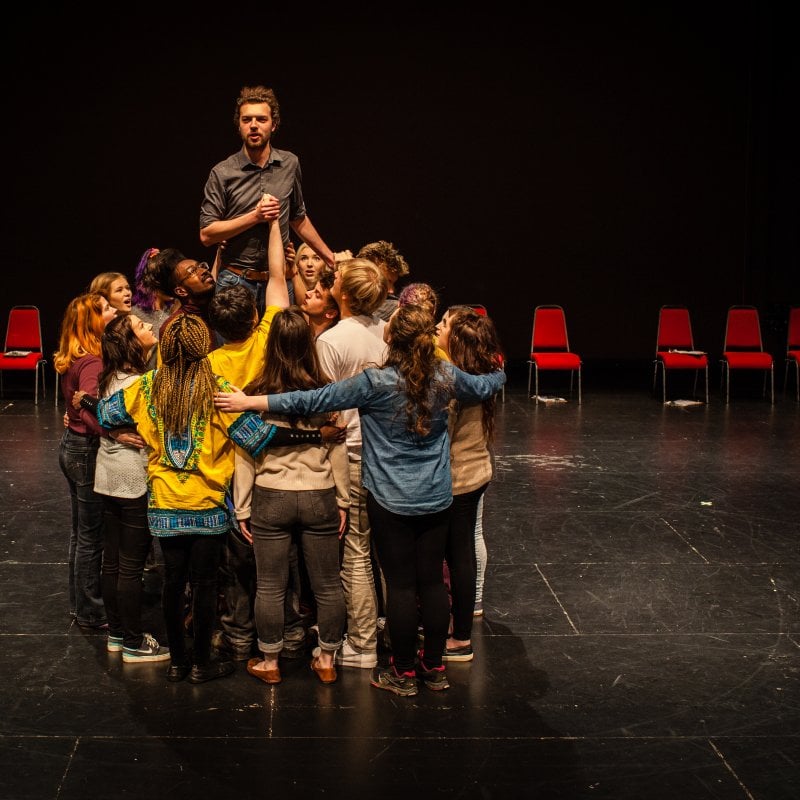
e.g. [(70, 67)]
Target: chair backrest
[(549, 330), (743, 329), (479, 308), (674, 329), (793, 339), (24, 331)]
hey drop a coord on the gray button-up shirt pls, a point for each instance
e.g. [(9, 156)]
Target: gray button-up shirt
[(235, 186)]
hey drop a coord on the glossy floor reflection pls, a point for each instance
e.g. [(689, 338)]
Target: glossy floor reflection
[(641, 636)]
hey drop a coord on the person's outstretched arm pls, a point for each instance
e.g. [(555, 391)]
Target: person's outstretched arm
[(277, 293)]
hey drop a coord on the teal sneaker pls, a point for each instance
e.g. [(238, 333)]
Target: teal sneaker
[(149, 650)]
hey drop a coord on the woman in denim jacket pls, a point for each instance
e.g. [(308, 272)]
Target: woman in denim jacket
[(403, 409)]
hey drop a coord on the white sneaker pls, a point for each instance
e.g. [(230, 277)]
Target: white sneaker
[(348, 656)]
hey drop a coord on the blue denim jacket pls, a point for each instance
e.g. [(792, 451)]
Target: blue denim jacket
[(406, 473)]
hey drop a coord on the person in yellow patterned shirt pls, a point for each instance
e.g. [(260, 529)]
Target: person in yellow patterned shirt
[(190, 469)]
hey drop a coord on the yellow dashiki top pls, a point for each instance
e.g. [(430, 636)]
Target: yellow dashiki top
[(188, 475)]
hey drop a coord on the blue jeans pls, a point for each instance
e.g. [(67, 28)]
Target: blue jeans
[(126, 543), (227, 278), (314, 517), (76, 457)]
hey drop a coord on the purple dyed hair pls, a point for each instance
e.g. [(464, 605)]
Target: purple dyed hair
[(143, 297)]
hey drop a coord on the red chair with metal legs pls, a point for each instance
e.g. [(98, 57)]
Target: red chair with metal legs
[(675, 348), (743, 348), (22, 351), (550, 347), (793, 351)]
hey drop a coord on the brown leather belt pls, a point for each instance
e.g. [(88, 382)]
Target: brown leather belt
[(247, 273)]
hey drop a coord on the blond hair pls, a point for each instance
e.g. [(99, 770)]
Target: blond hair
[(363, 284)]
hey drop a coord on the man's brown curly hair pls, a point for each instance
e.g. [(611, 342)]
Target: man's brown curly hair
[(258, 94), (387, 253)]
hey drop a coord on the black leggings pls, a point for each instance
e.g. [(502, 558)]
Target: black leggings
[(195, 558), (411, 551)]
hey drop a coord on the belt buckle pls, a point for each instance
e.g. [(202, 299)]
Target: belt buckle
[(245, 272)]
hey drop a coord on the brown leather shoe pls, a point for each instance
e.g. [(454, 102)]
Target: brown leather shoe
[(266, 675), (325, 674)]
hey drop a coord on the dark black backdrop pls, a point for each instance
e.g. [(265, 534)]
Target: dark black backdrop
[(609, 157)]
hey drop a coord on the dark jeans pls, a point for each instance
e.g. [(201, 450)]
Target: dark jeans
[(461, 561), (192, 557), (237, 583), (312, 516), (411, 552), (238, 586), (76, 457), (126, 543)]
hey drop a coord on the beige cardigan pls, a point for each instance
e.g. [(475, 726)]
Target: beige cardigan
[(470, 459), (297, 468)]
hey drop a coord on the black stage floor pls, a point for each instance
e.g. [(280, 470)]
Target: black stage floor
[(641, 637)]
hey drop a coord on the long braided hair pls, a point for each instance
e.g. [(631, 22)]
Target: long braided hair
[(184, 385), (412, 353)]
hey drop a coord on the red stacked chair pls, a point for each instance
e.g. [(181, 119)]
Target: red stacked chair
[(743, 348)]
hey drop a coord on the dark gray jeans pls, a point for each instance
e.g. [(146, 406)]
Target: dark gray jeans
[(312, 517)]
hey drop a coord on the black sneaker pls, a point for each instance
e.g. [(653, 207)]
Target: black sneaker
[(401, 683), (433, 677), (177, 672), (215, 669)]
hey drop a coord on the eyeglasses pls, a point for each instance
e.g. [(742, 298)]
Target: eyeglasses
[(195, 268)]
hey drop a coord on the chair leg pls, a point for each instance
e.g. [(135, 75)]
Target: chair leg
[(536, 372), (530, 369), (726, 378), (579, 385), (663, 384), (797, 379), (772, 385), (706, 384)]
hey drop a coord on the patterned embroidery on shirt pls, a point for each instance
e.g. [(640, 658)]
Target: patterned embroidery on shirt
[(111, 411), (181, 451), (251, 433), (171, 522)]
